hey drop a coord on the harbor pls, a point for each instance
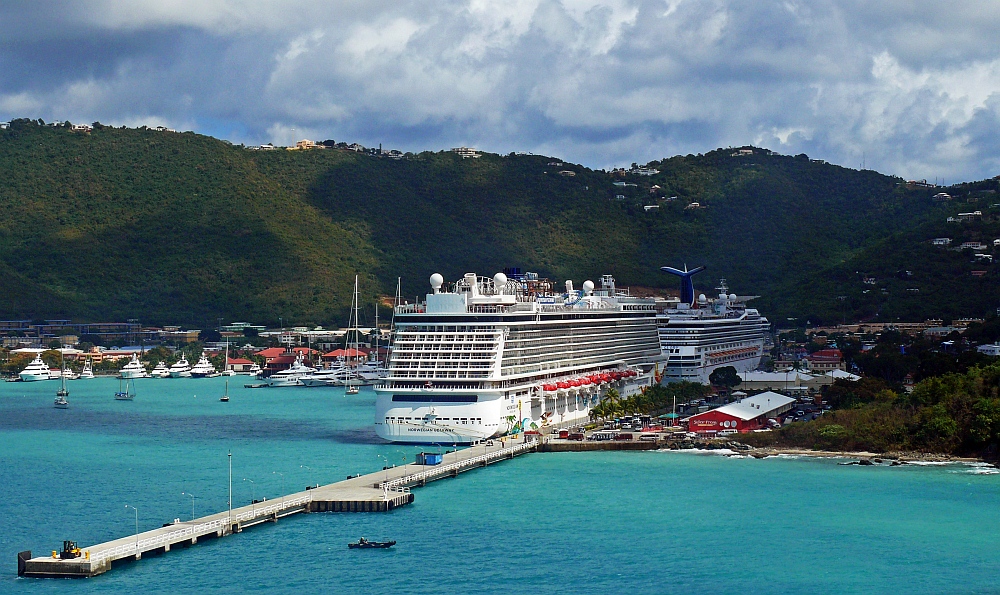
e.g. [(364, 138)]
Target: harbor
[(380, 491)]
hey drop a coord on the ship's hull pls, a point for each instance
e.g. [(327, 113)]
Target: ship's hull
[(34, 376), (677, 371), (131, 374), (429, 416)]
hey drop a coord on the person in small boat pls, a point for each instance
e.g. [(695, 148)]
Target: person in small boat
[(362, 540)]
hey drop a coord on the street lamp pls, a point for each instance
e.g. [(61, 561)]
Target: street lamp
[(310, 470), (230, 490), (136, 529), (192, 502), (282, 486), (386, 468), (253, 497)]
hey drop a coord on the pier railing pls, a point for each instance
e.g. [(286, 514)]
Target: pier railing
[(444, 469), (191, 531)]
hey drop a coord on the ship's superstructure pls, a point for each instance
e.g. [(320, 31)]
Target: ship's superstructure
[(488, 356), (703, 334)]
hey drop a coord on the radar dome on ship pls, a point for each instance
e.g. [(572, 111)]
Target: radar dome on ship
[(499, 281), (436, 282), (732, 296), (588, 287), (701, 298)]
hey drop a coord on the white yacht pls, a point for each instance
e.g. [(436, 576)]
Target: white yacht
[(36, 370), (291, 376), (325, 376), (371, 371), (254, 370), (203, 368), (700, 334), (133, 369), (181, 369), (161, 370), (88, 371), (489, 356)]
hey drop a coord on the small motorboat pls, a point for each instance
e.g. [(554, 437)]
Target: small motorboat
[(365, 544)]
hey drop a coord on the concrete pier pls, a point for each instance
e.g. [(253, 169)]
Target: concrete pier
[(381, 491)]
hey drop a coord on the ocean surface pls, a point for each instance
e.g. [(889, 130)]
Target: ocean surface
[(647, 522)]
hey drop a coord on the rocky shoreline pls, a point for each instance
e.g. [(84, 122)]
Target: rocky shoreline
[(863, 458)]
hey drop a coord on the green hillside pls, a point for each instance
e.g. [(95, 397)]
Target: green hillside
[(178, 227), (910, 279)]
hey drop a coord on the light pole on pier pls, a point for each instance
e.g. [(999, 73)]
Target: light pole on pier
[(230, 490), (192, 502), (307, 467), (282, 487), (386, 468), (253, 497), (136, 529)]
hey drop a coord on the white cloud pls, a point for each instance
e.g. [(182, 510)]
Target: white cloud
[(909, 85)]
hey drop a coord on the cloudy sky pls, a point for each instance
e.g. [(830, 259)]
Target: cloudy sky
[(913, 88)]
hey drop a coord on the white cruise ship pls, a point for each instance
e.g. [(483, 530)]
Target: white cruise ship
[(699, 335), (486, 357), (36, 370)]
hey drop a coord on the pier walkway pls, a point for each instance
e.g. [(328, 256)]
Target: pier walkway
[(375, 492)]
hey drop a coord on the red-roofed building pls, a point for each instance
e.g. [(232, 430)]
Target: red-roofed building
[(272, 352), (825, 360), (345, 353)]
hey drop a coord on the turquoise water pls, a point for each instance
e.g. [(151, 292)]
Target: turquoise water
[(660, 522)]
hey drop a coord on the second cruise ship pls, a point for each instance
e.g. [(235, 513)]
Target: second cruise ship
[(699, 335), (487, 356)]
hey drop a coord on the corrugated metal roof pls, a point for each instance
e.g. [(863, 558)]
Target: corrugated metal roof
[(756, 405)]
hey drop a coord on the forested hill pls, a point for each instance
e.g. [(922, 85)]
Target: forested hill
[(179, 227)]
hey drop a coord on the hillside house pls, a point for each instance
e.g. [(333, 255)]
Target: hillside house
[(972, 246), (992, 349), (972, 216), (941, 196), (81, 128), (941, 241), (466, 153)]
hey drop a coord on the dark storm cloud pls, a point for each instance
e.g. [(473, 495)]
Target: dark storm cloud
[(911, 87)]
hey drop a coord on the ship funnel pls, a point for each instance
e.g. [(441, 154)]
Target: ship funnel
[(687, 285)]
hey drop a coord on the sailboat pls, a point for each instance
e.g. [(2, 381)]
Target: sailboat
[(353, 381), (62, 393), (226, 370), (128, 394), (225, 398)]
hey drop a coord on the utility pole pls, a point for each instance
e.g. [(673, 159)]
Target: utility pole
[(230, 490)]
